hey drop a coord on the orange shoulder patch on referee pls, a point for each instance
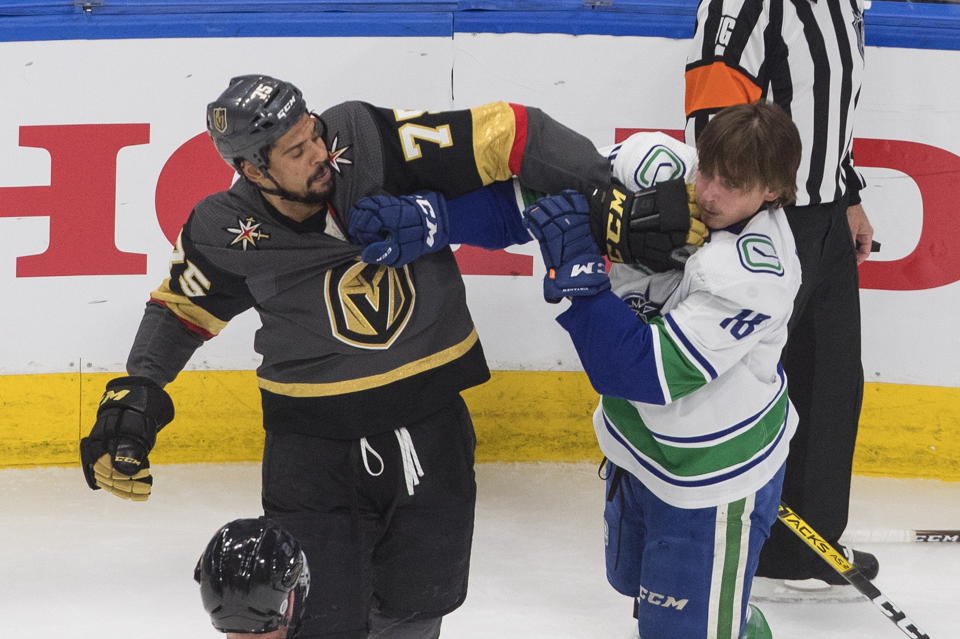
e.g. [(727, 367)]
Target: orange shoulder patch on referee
[(715, 86)]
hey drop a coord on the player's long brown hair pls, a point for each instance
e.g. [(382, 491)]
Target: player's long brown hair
[(752, 145)]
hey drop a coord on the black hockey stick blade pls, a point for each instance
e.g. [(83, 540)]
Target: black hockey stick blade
[(849, 572)]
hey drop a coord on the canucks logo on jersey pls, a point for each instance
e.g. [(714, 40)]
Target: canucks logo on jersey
[(758, 254), (644, 159)]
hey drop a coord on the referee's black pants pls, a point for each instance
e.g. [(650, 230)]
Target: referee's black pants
[(825, 378)]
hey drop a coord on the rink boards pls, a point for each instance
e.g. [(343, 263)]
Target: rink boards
[(905, 430), (103, 153)]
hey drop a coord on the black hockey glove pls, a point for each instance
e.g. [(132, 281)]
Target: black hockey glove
[(114, 455), (651, 227)]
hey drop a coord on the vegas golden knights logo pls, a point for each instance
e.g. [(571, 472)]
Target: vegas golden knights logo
[(220, 119), (369, 305)]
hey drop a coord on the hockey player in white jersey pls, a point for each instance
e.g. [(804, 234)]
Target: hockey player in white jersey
[(694, 417)]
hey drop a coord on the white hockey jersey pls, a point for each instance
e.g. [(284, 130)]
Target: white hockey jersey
[(694, 400)]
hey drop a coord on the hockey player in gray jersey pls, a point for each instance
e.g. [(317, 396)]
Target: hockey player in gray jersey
[(694, 417), (368, 456)]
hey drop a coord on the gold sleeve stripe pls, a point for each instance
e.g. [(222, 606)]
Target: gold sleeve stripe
[(373, 381), (494, 128), (187, 311)]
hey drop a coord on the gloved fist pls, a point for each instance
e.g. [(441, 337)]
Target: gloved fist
[(135, 486), (114, 455), (397, 230), (582, 276), (647, 227), (561, 225)]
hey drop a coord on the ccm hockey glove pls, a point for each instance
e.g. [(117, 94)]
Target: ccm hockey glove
[(114, 455), (561, 225), (397, 230), (650, 227)]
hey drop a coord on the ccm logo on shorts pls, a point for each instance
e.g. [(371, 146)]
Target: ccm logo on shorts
[(664, 601)]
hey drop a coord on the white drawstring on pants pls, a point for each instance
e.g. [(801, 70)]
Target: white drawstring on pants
[(364, 447), (412, 471)]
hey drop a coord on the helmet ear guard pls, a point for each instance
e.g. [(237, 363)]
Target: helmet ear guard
[(247, 574)]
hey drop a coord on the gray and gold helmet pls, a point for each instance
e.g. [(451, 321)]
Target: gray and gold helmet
[(252, 114)]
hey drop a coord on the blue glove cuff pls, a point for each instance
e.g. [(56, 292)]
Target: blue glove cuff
[(584, 275)]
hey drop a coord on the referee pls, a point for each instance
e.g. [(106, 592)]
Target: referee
[(807, 57)]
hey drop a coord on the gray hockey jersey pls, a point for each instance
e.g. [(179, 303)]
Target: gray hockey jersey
[(351, 349)]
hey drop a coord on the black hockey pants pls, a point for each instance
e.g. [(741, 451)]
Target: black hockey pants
[(389, 548)]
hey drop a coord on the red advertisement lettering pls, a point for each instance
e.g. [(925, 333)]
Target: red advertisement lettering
[(478, 261), (194, 171), (80, 200), (935, 261)]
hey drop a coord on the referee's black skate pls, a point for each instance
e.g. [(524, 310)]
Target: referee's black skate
[(865, 562), (823, 585)]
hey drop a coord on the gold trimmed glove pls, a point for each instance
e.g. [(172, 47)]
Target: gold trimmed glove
[(647, 227), (114, 455)]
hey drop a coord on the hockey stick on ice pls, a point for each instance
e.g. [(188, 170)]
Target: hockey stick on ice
[(900, 535), (848, 571)]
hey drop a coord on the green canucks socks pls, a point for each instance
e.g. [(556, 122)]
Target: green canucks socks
[(756, 626)]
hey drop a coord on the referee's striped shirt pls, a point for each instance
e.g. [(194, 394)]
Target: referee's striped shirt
[(806, 56)]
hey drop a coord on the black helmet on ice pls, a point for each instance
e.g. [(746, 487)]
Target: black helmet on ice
[(252, 114), (246, 575)]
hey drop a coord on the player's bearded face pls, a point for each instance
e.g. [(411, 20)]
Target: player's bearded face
[(299, 162), (723, 204)]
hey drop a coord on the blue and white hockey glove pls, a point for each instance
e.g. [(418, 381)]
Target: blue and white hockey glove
[(395, 231), (561, 224), (583, 276)]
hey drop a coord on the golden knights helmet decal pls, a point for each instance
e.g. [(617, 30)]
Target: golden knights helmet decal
[(219, 119), (369, 304)]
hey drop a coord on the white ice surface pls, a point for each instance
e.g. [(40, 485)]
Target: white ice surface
[(81, 565)]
